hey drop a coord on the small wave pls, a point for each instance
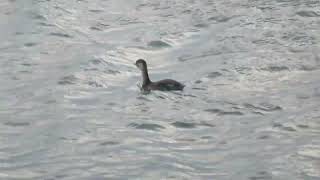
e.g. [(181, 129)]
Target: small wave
[(307, 160), (224, 113), (109, 143), (303, 126), (179, 124), (36, 16), (158, 44), (25, 72), (147, 126), (110, 71), (264, 137), (94, 84), (45, 24), (68, 80), (198, 82), (213, 75), (275, 68), (209, 53), (267, 107), (17, 124), (96, 10), (30, 44), (206, 124), (308, 68), (99, 27), (219, 19), (299, 38), (261, 175), (283, 127), (58, 34), (307, 14), (201, 25), (206, 137), (27, 64), (96, 61)]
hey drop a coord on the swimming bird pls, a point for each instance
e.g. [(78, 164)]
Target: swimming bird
[(162, 85)]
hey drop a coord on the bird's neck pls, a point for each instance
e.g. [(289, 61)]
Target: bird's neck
[(145, 77)]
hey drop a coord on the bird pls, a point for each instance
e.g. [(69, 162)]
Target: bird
[(162, 85)]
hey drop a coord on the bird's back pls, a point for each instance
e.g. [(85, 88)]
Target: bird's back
[(165, 85)]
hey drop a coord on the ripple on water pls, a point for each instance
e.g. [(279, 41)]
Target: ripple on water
[(96, 10), (308, 67), (16, 124), (219, 19), (307, 160), (98, 64), (96, 61), (201, 25), (68, 80), (94, 84), (187, 57), (109, 143), (306, 13), (299, 38), (100, 27), (261, 175), (36, 16), (206, 124), (220, 112), (283, 127), (303, 126), (275, 68), (179, 124), (46, 24), (111, 71), (158, 44), (198, 82), (146, 126), (27, 64), (213, 75), (266, 107), (30, 44), (58, 34), (187, 125)]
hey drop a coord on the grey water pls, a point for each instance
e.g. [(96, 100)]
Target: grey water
[(70, 107)]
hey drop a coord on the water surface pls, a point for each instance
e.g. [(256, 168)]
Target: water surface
[(70, 107)]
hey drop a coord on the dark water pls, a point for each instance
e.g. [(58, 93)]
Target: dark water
[(70, 107)]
